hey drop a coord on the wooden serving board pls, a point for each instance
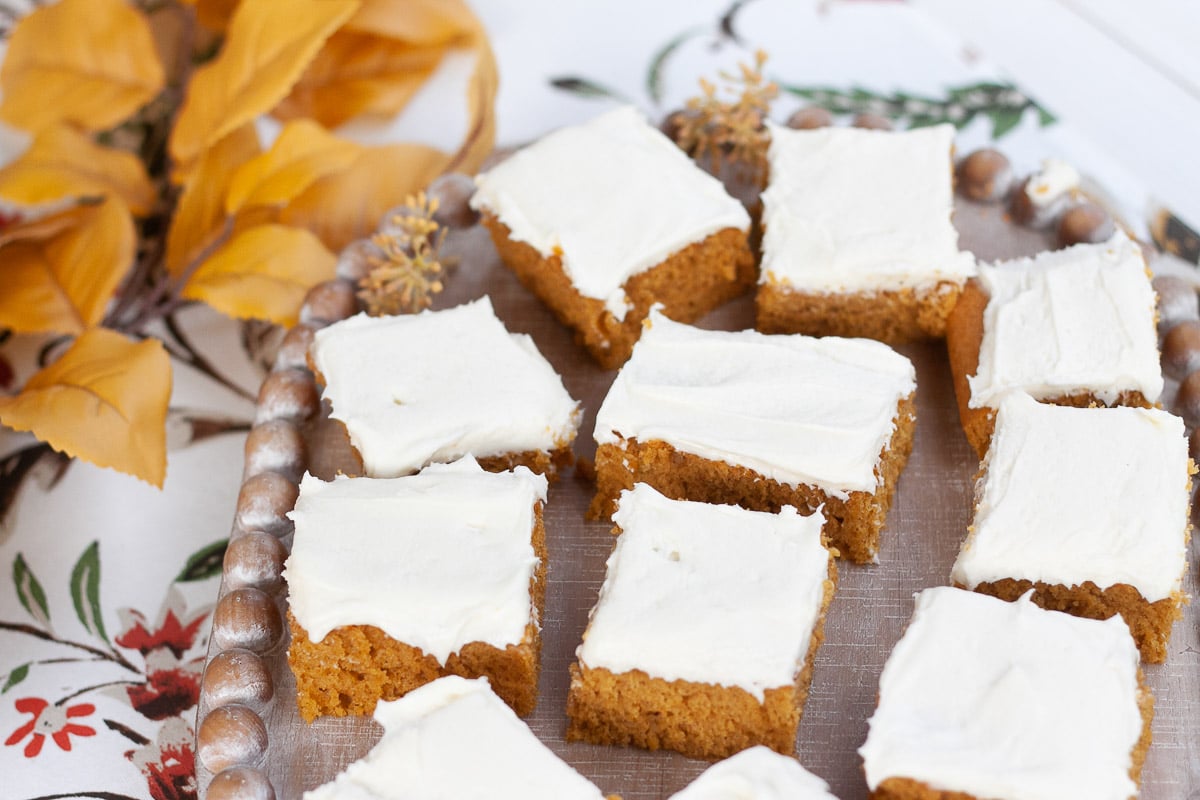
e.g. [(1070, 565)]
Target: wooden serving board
[(928, 520)]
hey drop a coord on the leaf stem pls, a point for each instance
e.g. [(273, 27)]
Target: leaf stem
[(62, 701), (113, 656)]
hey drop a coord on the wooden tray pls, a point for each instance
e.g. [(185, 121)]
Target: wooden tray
[(873, 603)]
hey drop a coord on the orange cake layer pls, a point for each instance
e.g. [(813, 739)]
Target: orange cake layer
[(687, 284), (893, 316), (852, 527)]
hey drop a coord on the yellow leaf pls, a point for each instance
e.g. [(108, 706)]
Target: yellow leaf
[(64, 283), (214, 14), (87, 62), (266, 49), (425, 22), (357, 73), (262, 273), (62, 162), (104, 401), (303, 153), (348, 205), (45, 226), (200, 213)]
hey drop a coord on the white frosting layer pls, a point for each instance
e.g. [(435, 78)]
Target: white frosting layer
[(756, 774), (435, 386), (999, 699), (613, 197), (707, 593), (855, 210), (436, 560), (453, 739), (1069, 321), (796, 409), (1081, 494), (1055, 180)]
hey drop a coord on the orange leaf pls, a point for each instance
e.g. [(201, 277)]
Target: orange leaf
[(346, 206), (265, 51), (214, 14), (262, 273), (357, 73), (481, 104), (64, 283), (425, 22), (87, 62), (200, 214), (62, 162), (303, 154), (104, 401)]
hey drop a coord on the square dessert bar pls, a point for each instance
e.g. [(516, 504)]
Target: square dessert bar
[(762, 422), (453, 738), (987, 700), (1071, 327), (757, 772), (858, 239), (432, 387), (703, 637), (603, 220), (1089, 508), (393, 582)]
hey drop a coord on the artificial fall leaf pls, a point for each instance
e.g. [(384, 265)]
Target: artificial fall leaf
[(63, 283), (104, 401), (348, 205), (481, 110), (91, 63), (214, 14), (422, 22), (45, 225), (62, 162), (262, 273), (266, 49), (200, 213), (302, 154), (359, 73)]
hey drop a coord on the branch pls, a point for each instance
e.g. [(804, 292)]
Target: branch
[(73, 695), (113, 656)]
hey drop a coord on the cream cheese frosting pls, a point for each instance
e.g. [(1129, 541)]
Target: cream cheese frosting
[(612, 197), (436, 560), (1079, 320), (453, 739), (1053, 182), (435, 386), (797, 409), (1081, 494), (758, 773), (708, 593), (1006, 700), (855, 210)]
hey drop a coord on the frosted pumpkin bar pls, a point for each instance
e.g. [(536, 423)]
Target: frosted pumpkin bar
[(757, 773), (703, 637), (432, 387), (987, 700), (454, 739), (1056, 513), (761, 421), (858, 239), (393, 582), (602, 220), (1071, 327)]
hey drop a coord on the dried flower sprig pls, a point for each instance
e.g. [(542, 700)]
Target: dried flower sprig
[(718, 128), (403, 266)]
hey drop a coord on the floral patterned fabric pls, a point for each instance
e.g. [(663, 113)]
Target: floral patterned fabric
[(107, 585)]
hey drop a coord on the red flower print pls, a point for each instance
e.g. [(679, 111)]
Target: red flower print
[(169, 764), (170, 688), (49, 720), (170, 633)]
